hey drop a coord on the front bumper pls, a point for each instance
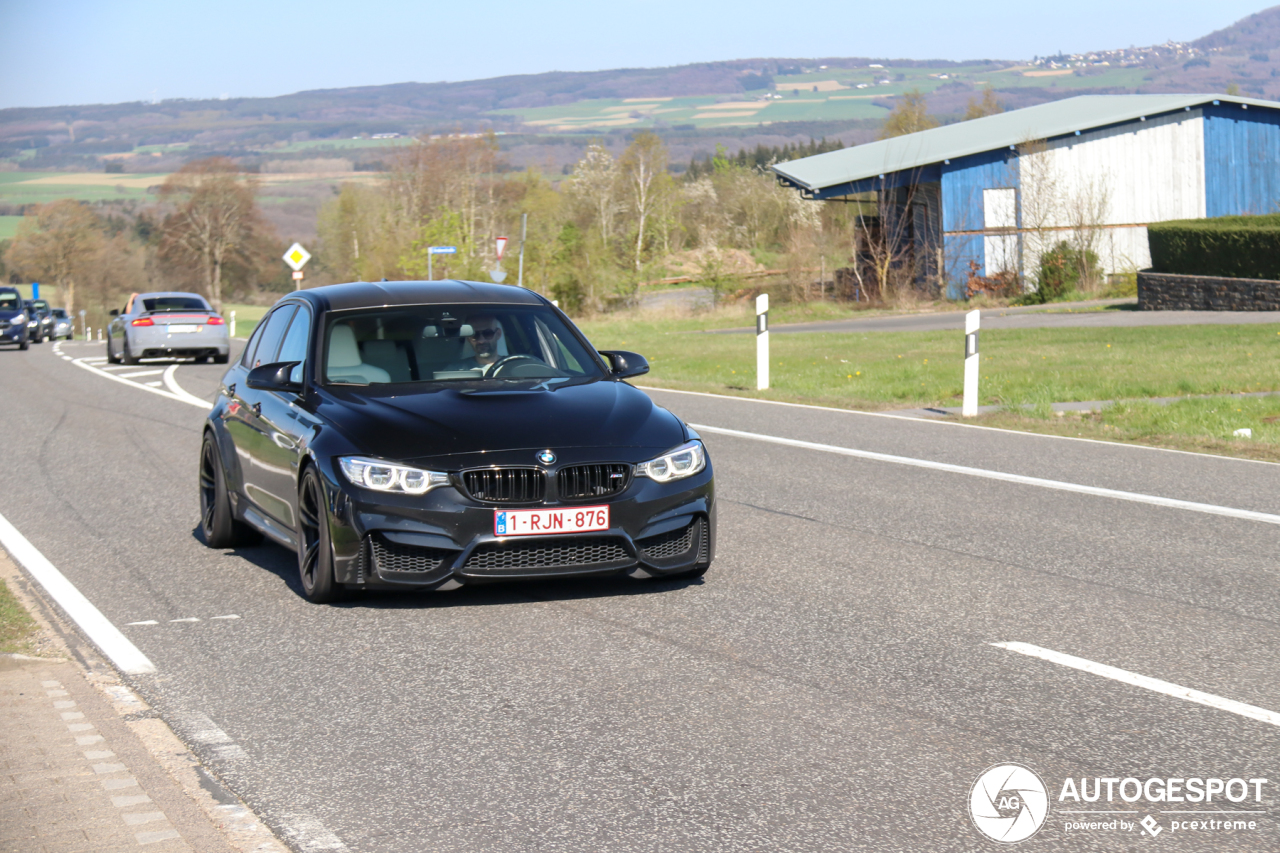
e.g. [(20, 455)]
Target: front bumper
[(446, 539), (13, 333)]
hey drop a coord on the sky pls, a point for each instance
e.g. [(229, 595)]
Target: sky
[(64, 52)]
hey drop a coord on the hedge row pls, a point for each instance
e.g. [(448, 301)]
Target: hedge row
[(1226, 246)]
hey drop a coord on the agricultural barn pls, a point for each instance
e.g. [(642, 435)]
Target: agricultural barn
[(1001, 189)]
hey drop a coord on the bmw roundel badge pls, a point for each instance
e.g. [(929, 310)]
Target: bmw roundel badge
[(546, 457)]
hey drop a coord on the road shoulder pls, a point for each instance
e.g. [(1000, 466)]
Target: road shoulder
[(89, 766)]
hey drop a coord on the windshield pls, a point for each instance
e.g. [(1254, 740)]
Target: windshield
[(453, 343), (160, 304), (60, 313), (10, 302)]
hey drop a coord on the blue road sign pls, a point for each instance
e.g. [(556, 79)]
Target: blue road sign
[(35, 290), (443, 250)]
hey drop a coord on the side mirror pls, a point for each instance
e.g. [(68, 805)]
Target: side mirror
[(274, 377), (115, 312), (626, 364)]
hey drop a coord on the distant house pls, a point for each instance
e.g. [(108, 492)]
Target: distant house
[(1001, 189)]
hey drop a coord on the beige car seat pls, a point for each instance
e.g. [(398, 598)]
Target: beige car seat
[(345, 363)]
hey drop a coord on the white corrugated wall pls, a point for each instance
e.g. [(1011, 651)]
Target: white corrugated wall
[(1113, 182)]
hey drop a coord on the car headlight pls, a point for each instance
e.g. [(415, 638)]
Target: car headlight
[(386, 477), (685, 461), (21, 318)]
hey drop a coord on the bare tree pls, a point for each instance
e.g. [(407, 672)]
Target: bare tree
[(989, 105), (909, 115), (595, 184), (60, 245), (644, 173), (216, 220)]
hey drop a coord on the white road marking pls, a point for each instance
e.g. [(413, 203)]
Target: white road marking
[(228, 616), (106, 636), (139, 373), (185, 398), (144, 622), (309, 834), (185, 619), (119, 367), (1177, 691), (154, 384), (947, 423), (180, 392), (1135, 497)]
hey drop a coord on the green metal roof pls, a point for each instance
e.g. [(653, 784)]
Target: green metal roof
[(1044, 121)]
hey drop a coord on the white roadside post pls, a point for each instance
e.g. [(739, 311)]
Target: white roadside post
[(762, 341), (297, 258), (970, 406), (233, 324)]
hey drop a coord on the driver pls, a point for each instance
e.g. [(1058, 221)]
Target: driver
[(484, 337)]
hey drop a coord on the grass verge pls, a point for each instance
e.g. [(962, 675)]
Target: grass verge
[(17, 629), (1023, 370)]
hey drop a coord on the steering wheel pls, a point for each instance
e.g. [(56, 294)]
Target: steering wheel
[(492, 371)]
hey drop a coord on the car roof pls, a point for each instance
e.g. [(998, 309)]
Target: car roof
[(372, 294)]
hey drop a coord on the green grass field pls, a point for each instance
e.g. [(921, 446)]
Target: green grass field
[(44, 187), (9, 226), (1022, 371), (838, 97), (17, 628)]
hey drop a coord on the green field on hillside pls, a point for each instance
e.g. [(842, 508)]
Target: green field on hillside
[(44, 187), (821, 95)]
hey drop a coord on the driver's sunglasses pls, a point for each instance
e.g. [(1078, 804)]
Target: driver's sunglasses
[(484, 334)]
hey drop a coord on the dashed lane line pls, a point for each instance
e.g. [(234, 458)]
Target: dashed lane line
[(172, 384), (179, 394), (1124, 676), (106, 636), (1059, 485)]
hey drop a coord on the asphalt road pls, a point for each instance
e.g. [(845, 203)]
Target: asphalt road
[(830, 685)]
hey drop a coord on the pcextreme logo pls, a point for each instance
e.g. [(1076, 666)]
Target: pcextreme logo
[(1009, 803)]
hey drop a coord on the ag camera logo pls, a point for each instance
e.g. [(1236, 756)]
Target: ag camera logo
[(1008, 803)]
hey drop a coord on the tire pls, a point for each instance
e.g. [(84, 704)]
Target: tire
[(112, 358), (315, 551), (126, 356), (24, 345), (217, 523), (222, 359), (202, 359)]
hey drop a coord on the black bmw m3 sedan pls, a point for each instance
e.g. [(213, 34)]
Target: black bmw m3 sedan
[(430, 435)]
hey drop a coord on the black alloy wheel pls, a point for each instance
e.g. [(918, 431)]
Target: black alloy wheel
[(217, 523), (315, 551)]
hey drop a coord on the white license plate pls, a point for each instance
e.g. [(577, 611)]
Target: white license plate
[(540, 522), (176, 328)]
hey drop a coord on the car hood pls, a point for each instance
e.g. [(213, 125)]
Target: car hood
[(436, 422)]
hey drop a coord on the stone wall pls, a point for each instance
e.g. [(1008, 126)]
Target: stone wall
[(1158, 291)]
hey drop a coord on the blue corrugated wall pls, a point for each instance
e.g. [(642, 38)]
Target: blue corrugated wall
[(963, 181), (1241, 160)]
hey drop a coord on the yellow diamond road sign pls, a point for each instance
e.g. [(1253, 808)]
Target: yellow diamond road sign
[(297, 256)]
